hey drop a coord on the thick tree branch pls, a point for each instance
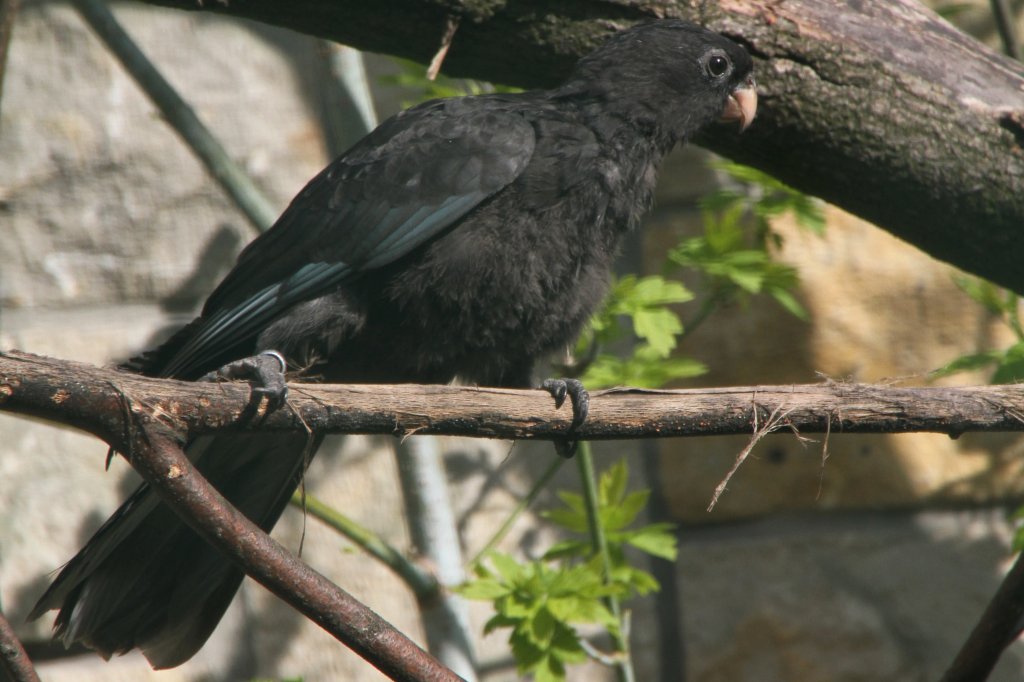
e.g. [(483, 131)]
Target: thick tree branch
[(107, 403), (878, 106)]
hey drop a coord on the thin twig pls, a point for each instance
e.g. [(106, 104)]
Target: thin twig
[(610, 660), (450, 26), (774, 423), (13, 659), (517, 511), (588, 480), (824, 458), (249, 199)]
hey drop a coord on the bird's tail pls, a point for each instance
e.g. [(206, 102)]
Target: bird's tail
[(146, 580)]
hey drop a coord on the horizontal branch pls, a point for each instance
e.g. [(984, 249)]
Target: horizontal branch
[(98, 400)]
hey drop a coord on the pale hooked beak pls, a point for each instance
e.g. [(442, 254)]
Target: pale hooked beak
[(742, 104)]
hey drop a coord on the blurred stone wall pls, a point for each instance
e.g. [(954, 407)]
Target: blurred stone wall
[(870, 565)]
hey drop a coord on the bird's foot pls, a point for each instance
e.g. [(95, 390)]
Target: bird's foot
[(265, 372), (580, 399)]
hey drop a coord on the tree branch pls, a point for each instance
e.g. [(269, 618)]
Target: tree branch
[(997, 629), (108, 402), (147, 419), (15, 665), (155, 452), (878, 106)]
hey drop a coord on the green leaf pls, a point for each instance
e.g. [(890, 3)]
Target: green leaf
[(500, 620), (541, 627), (519, 606), (749, 280), (486, 589), (786, 300), (809, 213), (507, 567), (620, 514), (1018, 541), (635, 580), (412, 76), (749, 175), (655, 539), (643, 302), (527, 654), (659, 327), (549, 669), (567, 519), (983, 292), (1010, 368), (775, 197), (612, 484), (568, 548), (640, 370), (565, 646), (967, 363), (573, 501), (719, 201), (654, 290), (724, 234), (1018, 534), (575, 609)]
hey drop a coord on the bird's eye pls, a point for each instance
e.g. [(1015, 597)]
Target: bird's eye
[(717, 65)]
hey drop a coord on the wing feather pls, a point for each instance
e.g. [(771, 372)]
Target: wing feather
[(414, 177)]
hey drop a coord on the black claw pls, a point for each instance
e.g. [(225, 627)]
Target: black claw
[(580, 398), (580, 402), (566, 447), (558, 390), (265, 372)]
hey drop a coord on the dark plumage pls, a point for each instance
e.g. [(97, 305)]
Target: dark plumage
[(462, 238)]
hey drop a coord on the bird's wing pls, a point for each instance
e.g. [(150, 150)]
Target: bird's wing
[(417, 174)]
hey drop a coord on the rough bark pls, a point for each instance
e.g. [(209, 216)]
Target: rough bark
[(106, 402), (878, 106)]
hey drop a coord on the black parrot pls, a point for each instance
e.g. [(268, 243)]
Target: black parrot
[(463, 237)]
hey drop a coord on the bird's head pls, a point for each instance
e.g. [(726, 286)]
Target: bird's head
[(673, 75)]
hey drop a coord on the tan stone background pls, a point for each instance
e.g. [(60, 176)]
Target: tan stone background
[(872, 565)]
